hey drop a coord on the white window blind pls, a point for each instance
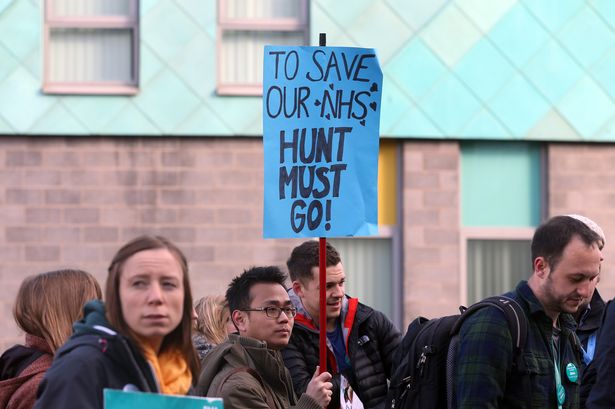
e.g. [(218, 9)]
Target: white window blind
[(263, 9), (368, 264), (94, 55), (92, 8), (244, 28), (496, 266), (242, 54)]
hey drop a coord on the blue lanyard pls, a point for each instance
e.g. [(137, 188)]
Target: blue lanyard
[(560, 392), (591, 348)]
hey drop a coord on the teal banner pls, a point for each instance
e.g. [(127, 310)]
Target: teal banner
[(116, 399)]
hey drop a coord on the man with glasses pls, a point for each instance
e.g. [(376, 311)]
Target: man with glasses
[(247, 370), (360, 340)]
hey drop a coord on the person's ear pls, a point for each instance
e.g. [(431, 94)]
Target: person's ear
[(240, 320), (298, 288), (541, 267)]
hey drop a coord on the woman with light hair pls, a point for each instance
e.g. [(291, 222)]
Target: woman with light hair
[(46, 306), (212, 323)]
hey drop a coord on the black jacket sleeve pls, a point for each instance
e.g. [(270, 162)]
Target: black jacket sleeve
[(601, 394), (301, 358), (74, 380), (390, 337), (372, 351), (296, 363)]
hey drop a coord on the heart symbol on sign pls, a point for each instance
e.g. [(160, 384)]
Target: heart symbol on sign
[(331, 85), (373, 105), (374, 87), (317, 102), (362, 122), (328, 116)]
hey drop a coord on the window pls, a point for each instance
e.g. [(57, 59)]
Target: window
[(91, 47), (244, 28), (501, 199), (373, 265), (495, 262), (368, 263)]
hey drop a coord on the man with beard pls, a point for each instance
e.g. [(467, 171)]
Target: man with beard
[(589, 315), (589, 322), (360, 340), (566, 261)]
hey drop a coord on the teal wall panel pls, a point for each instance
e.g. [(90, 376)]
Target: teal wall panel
[(455, 69), (500, 184), (484, 69)]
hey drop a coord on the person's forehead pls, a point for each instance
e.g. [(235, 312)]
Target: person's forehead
[(577, 244), (577, 254), (152, 262), (269, 294), (334, 273)]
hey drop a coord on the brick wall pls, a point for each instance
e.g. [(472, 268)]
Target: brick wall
[(73, 202), (582, 180), (431, 228)]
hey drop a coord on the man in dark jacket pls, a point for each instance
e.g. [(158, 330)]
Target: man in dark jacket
[(601, 371), (588, 330), (589, 315), (566, 261), (361, 341), (589, 319), (588, 324)]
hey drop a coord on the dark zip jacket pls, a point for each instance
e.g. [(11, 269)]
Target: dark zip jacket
[(588, 327), (486, 377), (371, 340), (598, 379), (590, 319), (94, 358)]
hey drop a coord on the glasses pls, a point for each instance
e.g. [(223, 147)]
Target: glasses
[(275, 312)]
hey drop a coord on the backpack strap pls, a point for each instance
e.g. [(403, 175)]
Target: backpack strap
[(515, 316), (518, 326), (269, 396)]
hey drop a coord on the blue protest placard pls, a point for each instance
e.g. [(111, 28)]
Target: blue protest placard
[(116, 399), (321, 119)]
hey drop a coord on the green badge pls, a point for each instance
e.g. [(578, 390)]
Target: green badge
[(561, 395), (571, 372)]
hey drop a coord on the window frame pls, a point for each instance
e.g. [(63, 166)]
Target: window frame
[(131, 22), (301, 23)]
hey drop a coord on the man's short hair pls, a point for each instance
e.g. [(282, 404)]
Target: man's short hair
[(592, 225), (551, 237), (304, 257), (238, 292)]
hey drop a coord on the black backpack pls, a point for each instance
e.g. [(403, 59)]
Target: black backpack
[(423, 377)]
